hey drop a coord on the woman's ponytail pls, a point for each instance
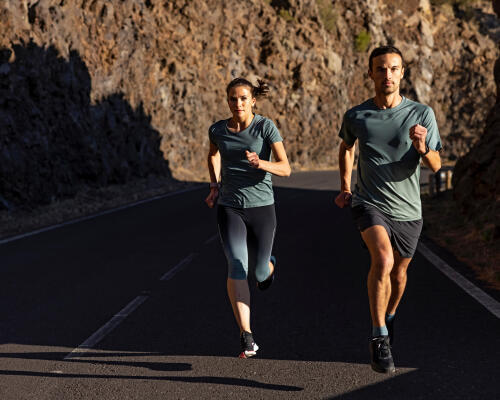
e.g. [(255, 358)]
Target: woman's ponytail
[(261, 90)]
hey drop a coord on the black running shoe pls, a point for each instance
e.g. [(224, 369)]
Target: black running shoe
[(380, 351), (248, 346), (390, 328), (270, 279)]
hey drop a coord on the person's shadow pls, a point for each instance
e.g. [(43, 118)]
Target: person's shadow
[(54, 140)]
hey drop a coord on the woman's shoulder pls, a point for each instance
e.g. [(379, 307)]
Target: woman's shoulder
[(264, 122), (218, 126)]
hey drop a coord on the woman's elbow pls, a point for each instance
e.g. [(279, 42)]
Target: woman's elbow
[(287, 171)]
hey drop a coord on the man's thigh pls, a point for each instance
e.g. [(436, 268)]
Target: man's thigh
[(374, 230), (377, 240)]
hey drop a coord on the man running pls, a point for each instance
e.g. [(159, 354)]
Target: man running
[(394, 135)]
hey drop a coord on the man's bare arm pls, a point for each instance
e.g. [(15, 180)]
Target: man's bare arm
[(346, 163), (432, 160)]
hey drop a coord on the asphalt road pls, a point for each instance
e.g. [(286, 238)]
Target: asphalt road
[(59, 287)]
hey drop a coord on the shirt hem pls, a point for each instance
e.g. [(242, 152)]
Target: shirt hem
[(250, 205), (393, 218)]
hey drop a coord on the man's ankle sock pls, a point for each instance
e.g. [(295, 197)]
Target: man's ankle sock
[(389, 317), (379, 331)]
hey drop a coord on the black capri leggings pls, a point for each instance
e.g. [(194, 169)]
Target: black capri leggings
[(247, 236)]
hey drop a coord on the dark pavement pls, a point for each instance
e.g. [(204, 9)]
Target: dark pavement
[(59, 287)]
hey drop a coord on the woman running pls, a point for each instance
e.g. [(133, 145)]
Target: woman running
[(240, 154)]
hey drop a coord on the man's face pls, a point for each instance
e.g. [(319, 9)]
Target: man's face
[(387, 72)]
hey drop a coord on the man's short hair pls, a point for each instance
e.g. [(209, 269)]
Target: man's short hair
[(384, 50)]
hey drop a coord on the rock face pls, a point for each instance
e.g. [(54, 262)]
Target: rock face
[(476, 178), (53, 140), (91, 90)]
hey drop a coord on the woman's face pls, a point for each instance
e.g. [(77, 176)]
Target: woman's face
[(240, 102)]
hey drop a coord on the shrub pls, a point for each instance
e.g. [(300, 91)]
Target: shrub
[(285, 14), (362, 41), (327, 14)]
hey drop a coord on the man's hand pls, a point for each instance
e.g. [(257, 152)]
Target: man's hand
[(212, 197), (343, 199), (253, 159), (417, 136)]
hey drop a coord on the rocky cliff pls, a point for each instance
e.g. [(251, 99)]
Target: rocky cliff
[(476, 178), (91, 90)]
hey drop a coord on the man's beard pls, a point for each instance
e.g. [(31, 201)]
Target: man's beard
[(390, 89)]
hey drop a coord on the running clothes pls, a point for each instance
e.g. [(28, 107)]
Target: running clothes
[(247, 236), (402, 234), (389, 165), (242, 185)]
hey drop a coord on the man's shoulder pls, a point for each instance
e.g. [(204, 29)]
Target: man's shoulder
[(366, 105), (415, 105)]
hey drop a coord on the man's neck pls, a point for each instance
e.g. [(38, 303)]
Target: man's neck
[(384, 101)]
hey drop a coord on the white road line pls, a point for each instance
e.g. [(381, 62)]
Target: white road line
[(170, 273), (487, 301), (102, 332), (107, 328), (211, 239), (92, 216)]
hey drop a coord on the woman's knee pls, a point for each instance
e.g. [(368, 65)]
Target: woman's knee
[(237, 269)]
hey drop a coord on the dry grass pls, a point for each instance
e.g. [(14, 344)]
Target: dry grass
[(475, 246)]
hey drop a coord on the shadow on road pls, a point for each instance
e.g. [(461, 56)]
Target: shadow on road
[(90, 358), (316, 311), (196, 379)]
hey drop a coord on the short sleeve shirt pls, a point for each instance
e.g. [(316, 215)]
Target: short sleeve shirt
[(389, 165), (242, 185)]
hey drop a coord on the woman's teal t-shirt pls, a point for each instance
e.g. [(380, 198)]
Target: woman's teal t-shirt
[(242, 185)]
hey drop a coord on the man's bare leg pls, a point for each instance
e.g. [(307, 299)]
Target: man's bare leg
[(398, 281), (379, 282)]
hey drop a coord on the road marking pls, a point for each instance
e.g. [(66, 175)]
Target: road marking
[(118, 318), (107, 328), (486, 300), (211, 239), (170, 273), (99, 214)]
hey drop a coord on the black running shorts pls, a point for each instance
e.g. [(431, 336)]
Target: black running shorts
[(402, 234)]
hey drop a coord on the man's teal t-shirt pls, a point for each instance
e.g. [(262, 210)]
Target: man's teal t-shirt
[(242, 185), (388, 175)]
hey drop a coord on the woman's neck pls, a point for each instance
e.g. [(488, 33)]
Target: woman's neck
[(237, 125)]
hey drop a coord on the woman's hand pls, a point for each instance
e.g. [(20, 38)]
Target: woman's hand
[(212, 197), (280, 167), (253, 159)]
